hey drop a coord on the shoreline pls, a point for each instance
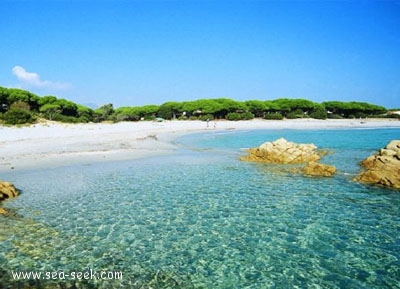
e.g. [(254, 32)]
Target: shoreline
[(51, 144)]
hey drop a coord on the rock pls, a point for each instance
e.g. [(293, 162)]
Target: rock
[(317, 169), (283, 152), (7, 191), (382, 168)]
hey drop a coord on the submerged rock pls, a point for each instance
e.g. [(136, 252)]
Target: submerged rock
[(382, 168), (282, 151), (7, 191), (317, 169)]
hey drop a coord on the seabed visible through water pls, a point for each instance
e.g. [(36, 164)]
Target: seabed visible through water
[(202, 219)]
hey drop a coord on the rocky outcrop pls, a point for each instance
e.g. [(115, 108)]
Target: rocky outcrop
[(382, 168), (319, 170), (282, 151), (7, 191)]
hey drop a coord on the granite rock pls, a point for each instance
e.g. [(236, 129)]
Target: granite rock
[(318, 170), (282, 151), (7, 191), (382, 168)]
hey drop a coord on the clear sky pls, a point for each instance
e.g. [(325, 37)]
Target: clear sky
[(132, 53)]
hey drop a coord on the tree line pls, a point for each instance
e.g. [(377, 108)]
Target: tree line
[(19, 106)]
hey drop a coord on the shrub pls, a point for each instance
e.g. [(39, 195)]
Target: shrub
[(298, 113), (291, 115), (149, 117), (65, 118), (84, 119), (206, 116), (394, 115), (183, 117), (360, 115), (20, 105), (233, 116), (18, 116), (275, 116), (239, 116), (319, 114), (247, 115)]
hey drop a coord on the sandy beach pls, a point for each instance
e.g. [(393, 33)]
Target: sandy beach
[(53, 144)]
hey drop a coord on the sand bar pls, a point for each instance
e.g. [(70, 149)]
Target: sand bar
[(53, 144)]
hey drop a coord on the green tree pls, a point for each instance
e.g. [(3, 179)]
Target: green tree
[(127, 114), (104, 112), (68, 108), (256, 107), (319, 113), (47, 99), (15, 94), (189, 107), (50, 110), (170, 110), (201, 107), (282, 106), (273, 116), (3, 99), (85, 113), (148, 112), (271, 106), (287, 105), (353, 108), (135, 113), (228, 105)]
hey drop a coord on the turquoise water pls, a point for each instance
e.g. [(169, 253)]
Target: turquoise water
[(202, 219)]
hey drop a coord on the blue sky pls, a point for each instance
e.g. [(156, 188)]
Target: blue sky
[(133, 53)]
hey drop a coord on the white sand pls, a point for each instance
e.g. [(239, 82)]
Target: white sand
[(55, 144)]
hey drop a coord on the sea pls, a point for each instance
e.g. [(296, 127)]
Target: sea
[(201, 218)]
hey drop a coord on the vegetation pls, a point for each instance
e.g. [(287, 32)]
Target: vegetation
[(17, 116), (239, 116), (275, 116), (19, 106), (353, 109)]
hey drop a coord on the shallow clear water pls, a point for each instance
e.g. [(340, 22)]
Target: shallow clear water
[(202, 219)]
